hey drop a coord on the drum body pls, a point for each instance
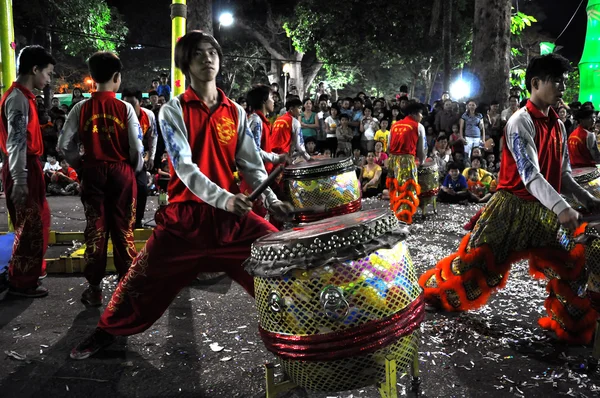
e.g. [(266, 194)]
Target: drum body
[(429, 180), (331, 183), (589, 179), (336, 297)]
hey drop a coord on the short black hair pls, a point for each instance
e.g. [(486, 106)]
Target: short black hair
[(440, 137), (185, 49), (292, 102), (310, 139), (514, 96), (103, 65), (258, 96), (344, 116), (452, 166), (241, 100), (495, 102), (323, 97), (369, 107), (404, 88), (476, 158), (152, 92), (164, 74), (403, 98), (584, 113), (472, 171), (33, 56), (132, 93), (334, 106), (546, 67), (358, 99), (414, 108), (156, 80)]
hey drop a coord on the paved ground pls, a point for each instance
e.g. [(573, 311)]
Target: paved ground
[(498, 351)]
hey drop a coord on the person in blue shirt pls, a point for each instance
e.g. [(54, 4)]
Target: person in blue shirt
[(164, 89), (454, 188)]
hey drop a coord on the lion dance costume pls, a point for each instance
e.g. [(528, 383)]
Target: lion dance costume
[(521, 223), (402, 181)]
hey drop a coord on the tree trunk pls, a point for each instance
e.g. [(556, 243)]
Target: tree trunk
[(490, 60), (275, 72), (200, 15), (447, 43)]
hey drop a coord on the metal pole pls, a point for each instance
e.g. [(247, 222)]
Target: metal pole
[(178, 21), (7, 45)]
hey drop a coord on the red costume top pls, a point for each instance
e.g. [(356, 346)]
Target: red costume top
[(404, 136), (281, 134), (579, 152), (35, 144), (545, 146)]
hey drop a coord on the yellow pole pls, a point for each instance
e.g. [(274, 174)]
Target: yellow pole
[(7, 54), (178, 21)]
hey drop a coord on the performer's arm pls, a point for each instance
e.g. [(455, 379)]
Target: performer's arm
[(17, 115), (68, 141), (421, 144), (298, 139), (569, 185), (519, 141), (134, 132), (592, 145), (152, 139), (247, 158), (256, 126), (175, 134)]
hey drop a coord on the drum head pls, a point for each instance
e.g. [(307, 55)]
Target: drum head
[(584, 175), (319, 167)]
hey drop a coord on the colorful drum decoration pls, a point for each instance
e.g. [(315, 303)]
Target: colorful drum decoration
[(429, 180), (589, 179), (336, 298), (328, 183)]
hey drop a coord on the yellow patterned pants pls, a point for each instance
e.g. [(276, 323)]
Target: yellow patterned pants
[(509, 230), (402, 183)]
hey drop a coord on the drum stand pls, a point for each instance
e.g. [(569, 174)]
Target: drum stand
[(387, 389)]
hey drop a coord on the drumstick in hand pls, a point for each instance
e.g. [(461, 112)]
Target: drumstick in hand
[(265, 184)]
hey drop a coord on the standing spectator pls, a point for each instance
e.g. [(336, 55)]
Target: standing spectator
[(383, 133), (357, 115), (331, 124), (456, 141), (513, 106), (563, 114), (344, 136), (308, 120), (471, 127), (164, 89), (153, 95), (76, 97), (583, 147), (445, 119), (21, 144), (368, 127), (321, 117), (112, 144), (155, 84), (243, 103)]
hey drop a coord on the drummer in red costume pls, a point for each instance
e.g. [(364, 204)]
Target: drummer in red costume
[(583, 148), (149, 140), (523, 220), (21, 144), (110, 134), (405, 142), (286, 135), (207, 225)]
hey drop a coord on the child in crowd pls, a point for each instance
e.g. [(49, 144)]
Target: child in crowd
[(456, 141), (491, 163), (383, 133), (327, 153), (478, 191), (311, 146), (344, 135), (454, 189)]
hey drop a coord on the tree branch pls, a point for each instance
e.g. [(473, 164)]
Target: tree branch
[(262, 40), (311, 74)]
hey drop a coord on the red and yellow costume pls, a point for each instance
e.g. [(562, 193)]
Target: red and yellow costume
[(521, 223), (583, 149)]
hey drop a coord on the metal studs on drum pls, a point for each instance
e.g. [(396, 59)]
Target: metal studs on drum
[(275, 302)]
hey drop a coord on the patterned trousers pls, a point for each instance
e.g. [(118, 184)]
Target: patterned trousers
[(402, 183)]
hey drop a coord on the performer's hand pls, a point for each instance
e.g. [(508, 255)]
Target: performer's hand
[(569, 218), (282, 210), (239, 205), (19, 195), (284, 158)]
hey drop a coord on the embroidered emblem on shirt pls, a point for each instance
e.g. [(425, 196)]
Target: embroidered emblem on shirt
[(226, 130), (524, 164), (172, 147)]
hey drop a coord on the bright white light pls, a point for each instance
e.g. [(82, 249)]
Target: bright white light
[(226, 19), (460, 89)]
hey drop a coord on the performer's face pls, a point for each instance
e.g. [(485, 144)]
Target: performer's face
[(205, 64), (43, 76), (549, 91), (270, 104)]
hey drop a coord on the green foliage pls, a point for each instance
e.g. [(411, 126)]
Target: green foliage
[(89, 26), (519, 21), (572, 92), (247, 68)]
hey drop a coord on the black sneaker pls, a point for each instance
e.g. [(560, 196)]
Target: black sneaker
[(97, 341), (30, 292), (92, 296)]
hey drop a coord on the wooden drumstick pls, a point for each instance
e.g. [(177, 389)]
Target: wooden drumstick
[(265, 184)]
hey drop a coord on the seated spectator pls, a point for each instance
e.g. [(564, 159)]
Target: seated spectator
[(370, 177), (163, 174), (64, 181), (51, 166), (383, 133), (65, 109), (327, 153), (459, 159), (344, 134), (479, 193), (454, 189), (441, 155), (491, 163), (310, 144), (478, 152), (380, 156), (484, 176)]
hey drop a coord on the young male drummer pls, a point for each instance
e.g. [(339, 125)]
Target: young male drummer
[(286, 135), (523, 218), (583, 148), (207, 225)]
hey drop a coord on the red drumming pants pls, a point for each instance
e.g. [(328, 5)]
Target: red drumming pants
[(108, 192), (189, 238), (32, 225)]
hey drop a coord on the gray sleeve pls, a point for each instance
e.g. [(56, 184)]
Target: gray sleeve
[(592, 145), (17, 115), (569, 185), (520, 133), (421, 151), (298, 139), (247, 158), (153, 138), (134, 132), (68, 141)]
